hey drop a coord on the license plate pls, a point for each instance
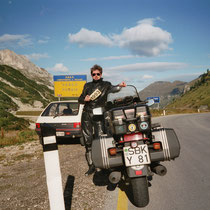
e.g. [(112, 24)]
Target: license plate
[(59, 133), (136, 156)]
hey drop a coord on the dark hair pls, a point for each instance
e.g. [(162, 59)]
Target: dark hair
[(96, 67)]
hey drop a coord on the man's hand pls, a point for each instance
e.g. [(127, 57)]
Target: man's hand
[(122, 84), (87, 98)]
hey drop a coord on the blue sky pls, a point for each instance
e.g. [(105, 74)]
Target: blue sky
[(137, 41)]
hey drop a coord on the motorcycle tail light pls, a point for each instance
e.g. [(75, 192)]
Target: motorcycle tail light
[(37, 125), (77, 124), (133, 137), (139, 172), (156, 146), (112, 151)]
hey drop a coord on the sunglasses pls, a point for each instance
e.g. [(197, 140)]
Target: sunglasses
[(98, 74)]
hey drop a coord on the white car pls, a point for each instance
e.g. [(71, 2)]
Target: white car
[(64, 116)]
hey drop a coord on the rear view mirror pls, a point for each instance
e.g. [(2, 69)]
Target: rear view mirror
[(115, 89), (150, 102)]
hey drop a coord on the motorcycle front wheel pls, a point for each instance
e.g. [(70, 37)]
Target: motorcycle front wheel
[(140, 191)]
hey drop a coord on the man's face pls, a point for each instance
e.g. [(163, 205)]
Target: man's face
[(96, 75)]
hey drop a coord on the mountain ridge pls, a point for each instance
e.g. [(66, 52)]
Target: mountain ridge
[(196, 96), (22, 90), (26, 67), (19, 93), (167, 91)]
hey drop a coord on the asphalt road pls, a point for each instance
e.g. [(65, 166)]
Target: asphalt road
[(186, 186)]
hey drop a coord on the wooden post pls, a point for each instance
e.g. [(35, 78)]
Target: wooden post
[(2, 133), (164, 112)]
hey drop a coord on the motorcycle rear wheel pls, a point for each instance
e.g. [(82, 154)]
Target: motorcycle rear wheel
[(140, 191)]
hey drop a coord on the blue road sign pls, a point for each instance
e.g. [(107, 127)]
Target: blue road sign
[(156, 99)]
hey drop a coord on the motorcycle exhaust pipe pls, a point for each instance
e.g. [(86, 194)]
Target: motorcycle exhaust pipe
[(115, 177), (159, 169)]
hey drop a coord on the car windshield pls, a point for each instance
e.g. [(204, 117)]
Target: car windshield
[(61, 109), (124, 93)]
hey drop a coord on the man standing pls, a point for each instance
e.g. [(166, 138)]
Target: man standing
[(94, 95)]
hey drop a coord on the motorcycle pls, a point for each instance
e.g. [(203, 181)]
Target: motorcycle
[(128, 145)]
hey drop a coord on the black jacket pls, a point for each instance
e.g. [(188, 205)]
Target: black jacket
[(89, 88)]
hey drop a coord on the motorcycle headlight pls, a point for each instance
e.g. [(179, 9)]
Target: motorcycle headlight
[(118, 114), (141, 111), (129, 113)]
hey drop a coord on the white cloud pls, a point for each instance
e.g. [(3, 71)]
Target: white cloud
[(59, 67), (152, 66), (88, 37), (90, 59), (8, 40), (146, 76), (44, 40), (37, 56), (184, 77), (144, 39), (150, 21), (110, 58)]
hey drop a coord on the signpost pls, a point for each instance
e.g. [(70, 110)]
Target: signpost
[(69, 85), (156, 99)]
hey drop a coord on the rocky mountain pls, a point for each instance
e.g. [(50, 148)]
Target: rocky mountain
[(23, 87), (26, 67), (167, 91), (18, 92)]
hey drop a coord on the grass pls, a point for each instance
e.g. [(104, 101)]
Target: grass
[(24, 156), (28, 91), (30, 113), (197, 96), (17, 137), (9, 122), (159, 112), (2, 157)]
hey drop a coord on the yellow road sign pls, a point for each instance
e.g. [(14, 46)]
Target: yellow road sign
[(69, 85)]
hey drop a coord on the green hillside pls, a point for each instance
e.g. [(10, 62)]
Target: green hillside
[(23, 88), (197, 96), (13, 84)]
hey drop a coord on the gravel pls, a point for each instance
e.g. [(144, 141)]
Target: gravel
[(23, 179)]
